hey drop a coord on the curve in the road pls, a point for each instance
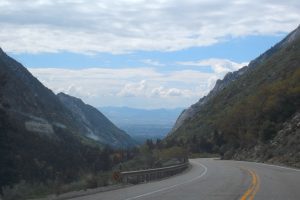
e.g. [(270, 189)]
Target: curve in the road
[(210, 179), (254, 187), (173, 186)]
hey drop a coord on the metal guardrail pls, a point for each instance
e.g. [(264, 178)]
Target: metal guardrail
[(139, 176)]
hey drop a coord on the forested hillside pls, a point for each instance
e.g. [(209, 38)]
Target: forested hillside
[(249, 116)]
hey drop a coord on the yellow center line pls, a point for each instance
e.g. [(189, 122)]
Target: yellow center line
[(253, 189), (256, 188)]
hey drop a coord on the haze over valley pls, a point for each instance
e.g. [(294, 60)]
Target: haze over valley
[(143, 124)]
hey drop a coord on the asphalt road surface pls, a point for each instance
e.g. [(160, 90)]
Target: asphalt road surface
[(211, 179)]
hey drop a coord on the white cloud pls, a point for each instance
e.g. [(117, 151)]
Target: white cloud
[(126, 25), (136, 87), (133, 89), (163, 92), (152, 62), (219, 66)]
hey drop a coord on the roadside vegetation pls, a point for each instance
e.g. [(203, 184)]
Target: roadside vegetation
[(104, 162), (153, 155)]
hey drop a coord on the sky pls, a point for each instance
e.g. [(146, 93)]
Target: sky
[(139, 53)]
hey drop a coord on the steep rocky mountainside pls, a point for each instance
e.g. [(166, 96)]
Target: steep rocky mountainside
[(38, 109), (94, 123), (220, 85), (249, 109), (24, 98), (230, 77), (41, 138)]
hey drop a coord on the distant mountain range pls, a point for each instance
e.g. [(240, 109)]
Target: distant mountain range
[(252, 113), (143, 124), (43, 135)]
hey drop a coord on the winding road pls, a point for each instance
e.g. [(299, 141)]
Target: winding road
[(212, 179)]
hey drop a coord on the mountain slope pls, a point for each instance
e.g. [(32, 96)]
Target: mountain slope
[(40, 138), (247, 112), (231, 77), (24, 96), (95, 124), (220, 85)]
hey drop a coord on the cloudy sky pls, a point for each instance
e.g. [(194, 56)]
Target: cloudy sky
[(139, 53)]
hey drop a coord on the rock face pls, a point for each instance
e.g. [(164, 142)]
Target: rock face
[(94, 124), (284, 148), (252, 113)]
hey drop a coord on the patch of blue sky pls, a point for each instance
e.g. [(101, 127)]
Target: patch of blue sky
[(240, 49)]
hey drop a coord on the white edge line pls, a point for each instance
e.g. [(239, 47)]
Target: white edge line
[(270, 165), (170, 187)]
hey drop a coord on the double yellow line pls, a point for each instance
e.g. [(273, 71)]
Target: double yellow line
[(253, 189)]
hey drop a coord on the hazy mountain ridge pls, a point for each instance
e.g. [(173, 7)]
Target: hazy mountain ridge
[(126, 115), (143, 124), (251, 110)]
